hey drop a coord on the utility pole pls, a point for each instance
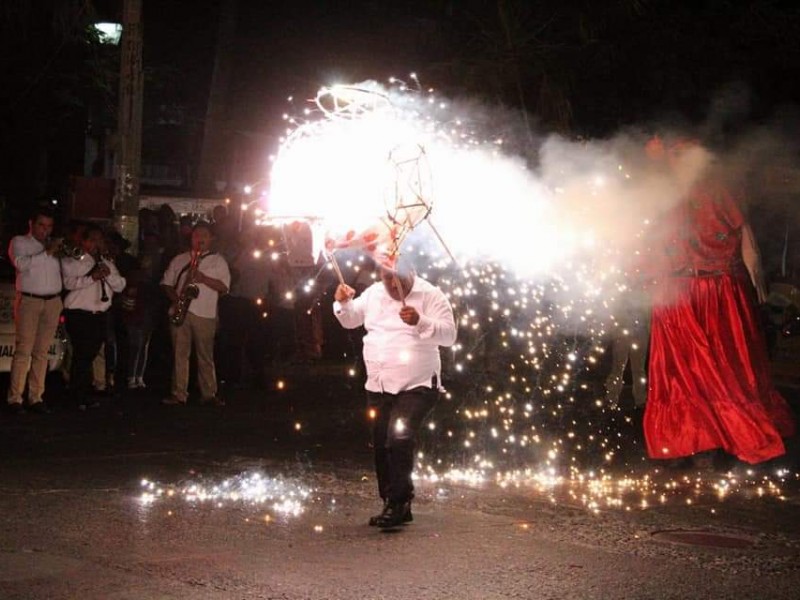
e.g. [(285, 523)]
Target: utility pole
[(215, 152), (129, 127)]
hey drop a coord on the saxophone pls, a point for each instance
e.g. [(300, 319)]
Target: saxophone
[(189, 292)]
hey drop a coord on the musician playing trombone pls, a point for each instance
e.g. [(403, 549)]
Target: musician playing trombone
[(91, 280), (193, 319)]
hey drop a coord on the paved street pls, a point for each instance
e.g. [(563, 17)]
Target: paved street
[(269, 497)]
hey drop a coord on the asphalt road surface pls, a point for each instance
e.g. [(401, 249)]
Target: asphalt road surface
[(269, 497)]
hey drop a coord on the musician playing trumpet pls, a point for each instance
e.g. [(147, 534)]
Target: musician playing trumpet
[(208, 271), (36, 310), (91, 281)]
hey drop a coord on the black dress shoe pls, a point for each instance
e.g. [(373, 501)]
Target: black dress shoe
[(15, 408), (40, 408), (213, 401), (373, 521), (394, 515)]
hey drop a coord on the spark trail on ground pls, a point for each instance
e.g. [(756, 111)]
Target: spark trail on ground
[(279, 495)]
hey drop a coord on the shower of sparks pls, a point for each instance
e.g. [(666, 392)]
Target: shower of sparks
[(281, 496), (604, 489), (547, 266)]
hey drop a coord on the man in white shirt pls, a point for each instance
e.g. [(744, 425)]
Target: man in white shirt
[(212, 278), (406, 319), (92, 282), (37, 308)]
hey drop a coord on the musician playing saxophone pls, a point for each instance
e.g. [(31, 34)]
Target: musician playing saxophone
[(209, 272), (91, 281)]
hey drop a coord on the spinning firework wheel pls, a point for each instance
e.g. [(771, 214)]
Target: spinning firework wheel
[(350, 102), (397, 172)]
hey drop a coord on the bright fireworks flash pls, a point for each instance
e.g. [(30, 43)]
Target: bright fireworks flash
[(367, 150)]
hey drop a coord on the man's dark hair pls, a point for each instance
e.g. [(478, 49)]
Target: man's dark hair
[(41, 211), (219, 208), (203, 225), (89, 229)]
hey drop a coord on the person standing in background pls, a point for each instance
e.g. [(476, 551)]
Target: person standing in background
[(137, 313), (212, 278), (629, 344), (37, 308), (242, 337), (303, 264), (127, 264), (92, 282)]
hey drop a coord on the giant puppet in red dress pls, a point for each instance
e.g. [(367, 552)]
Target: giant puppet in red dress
[(710, 384)]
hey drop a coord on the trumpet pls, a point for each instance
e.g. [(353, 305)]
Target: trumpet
[(189, 292), (66, 249), (98, 264)]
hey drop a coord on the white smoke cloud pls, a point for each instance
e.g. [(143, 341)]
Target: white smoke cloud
[(495, 196)]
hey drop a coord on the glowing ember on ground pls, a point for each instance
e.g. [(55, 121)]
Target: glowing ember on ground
[(605, 490), (281, 496)]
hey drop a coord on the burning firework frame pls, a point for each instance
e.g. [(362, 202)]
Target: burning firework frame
[(408, 195)]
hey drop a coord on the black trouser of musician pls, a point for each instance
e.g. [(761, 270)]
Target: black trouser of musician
[(87, 332), (396, 419)]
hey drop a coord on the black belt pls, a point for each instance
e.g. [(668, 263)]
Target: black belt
[(40, 296), (84, 311)]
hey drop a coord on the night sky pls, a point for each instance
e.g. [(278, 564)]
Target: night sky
[(580, 68)]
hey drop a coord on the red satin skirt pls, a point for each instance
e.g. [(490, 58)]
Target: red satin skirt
[(710, 385)]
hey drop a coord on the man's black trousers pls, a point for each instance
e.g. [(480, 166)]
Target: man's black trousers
[(87, 332), (396, 419)]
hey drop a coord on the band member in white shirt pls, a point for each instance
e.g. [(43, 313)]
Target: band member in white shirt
[(92, 281), (209, 272), (37, 308), (406, 319)]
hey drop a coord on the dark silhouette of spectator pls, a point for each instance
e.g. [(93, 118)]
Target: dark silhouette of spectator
[(185, 224), (137, 309), (226, 236), (243, 313), (115, 349), (169, 238), (629, 344)]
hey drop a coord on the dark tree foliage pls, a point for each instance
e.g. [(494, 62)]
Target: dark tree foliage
[(58, 79), (581, 67), (588, 67)]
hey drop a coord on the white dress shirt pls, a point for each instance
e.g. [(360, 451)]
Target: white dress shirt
[(37, 272), (84, 292), (212, 265), (399, 356)]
